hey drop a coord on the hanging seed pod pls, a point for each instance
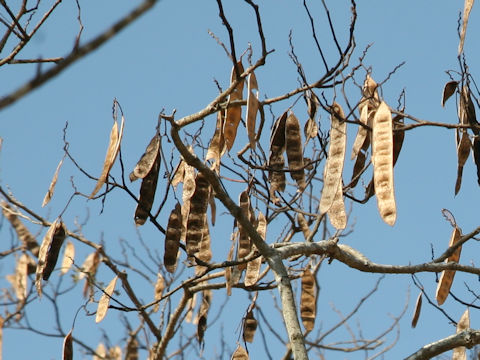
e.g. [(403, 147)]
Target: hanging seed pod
[(89, 267), (197, 215), (359, 165), (179, 174), (249, 326), (147, 193), (336, 157), (68, 257), (228, 270), (54, 249), (101, 351), (240, 354), (252, 108), (446, 278), (205, 251), (104, 301), (51, 187), (303, 224), (112, 152), (418, 308), (67, 351), (460, 353), (336, 213), (233, 113), (159, 287), (202, 315), (466, 13), (172, 239), (217, 146), (382, 158), (145, 164), (448, 91), (244, 242), (294, 150), (463, 150), (307, 300), (24, 235), (362, 132), (253, 267), (191, 303), (276, 160)]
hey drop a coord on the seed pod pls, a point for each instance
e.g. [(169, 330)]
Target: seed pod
[(43, 254), (463, 150), (460, 353), (112, 152), (446, 278), (362, 132), (51, 187), (240, 354), (202, 315), (307, 300), (197, 215), (101, 352), (294, 150), (131, 352), (54, 249), (303, 224), (188, 183), (144, 165), (68, 257), (217, 147), (90, 267), (147, 193), (336, 213), (179, 174), (252, 108), (382, 158), (115, 353), (191, 303), (228, 270), (336, 156), (476, 156), (253, 267), (204, 249), (276, 160), (249, 326), (467, 110), (104, 301), (466, 13), (67, 352), (244, 241), (159, 287), (24, 235), (172, 239), (418, 308), (448, 91), (233, 113)]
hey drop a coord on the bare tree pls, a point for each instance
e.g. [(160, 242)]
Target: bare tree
[(287, 190)]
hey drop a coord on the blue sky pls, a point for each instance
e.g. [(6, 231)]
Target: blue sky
[(167, 60)]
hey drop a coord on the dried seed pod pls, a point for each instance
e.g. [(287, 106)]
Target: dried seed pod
[(191, 303), (115, 353), (253, 267), (228, 270), (466, 13), (418, 308), (19, 279), (244, 241), (67, 351), (188, 183), (68, 257), (197, 215), (240, 354), (336, 213), (293, 141), (24, 235), (467, 110), (202, 315), (204, 249), (172, 238), (179, 174), (217, 146), (382, 158), (43, 254), (476, 156), (369, 89), (249, 326), (252, 108), (307, 300), (51, 187), (303, 224), (463, 150), (90, 265), (446, 278), (159, 287), (213, 207), (359, 165), (448, 91), (104, 301), (101, 350), (131, 352), (336, 157), (233, 113), (460, 353), (144, 165), (59, 235), (112, 152), (276, 160), (362, 132), (147, 193)]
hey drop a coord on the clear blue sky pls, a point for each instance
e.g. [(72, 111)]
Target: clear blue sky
[(168, 60)]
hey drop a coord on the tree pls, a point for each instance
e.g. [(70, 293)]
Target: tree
[(267, 157)]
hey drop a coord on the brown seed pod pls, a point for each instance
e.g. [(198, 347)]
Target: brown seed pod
[(24, 235), (460, 353), (276, 160), (159, 287), (446, 278), (43, 254), (228, 270), (336, 213), (303, 224), (179, 174), (382, 158), (89, 267), (294, 150), (51, 187), (197, 215), (336, 157), (362, 132), (418, 309), (112, 152), (217, 146), (233, 113), (172, 239), (463, 150), (448, 91), (466, 13), (144, 165), (59, 235), (204, 249), (68, 257), (201, 319), (253, 267), (249, 326), (244, 241), (252, 108), (147, 193), (67, 351), (104, 301), (240, 354), (308, 300)]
